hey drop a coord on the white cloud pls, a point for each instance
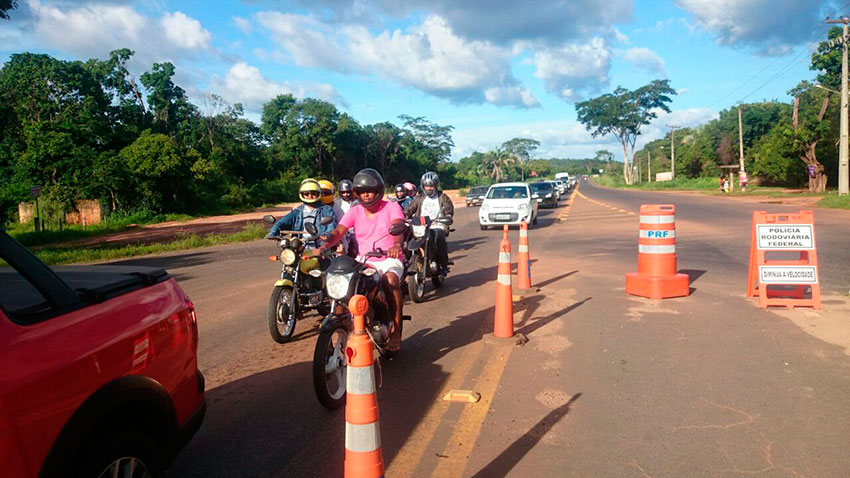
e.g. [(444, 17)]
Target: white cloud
[(645, 58), (93, 30), (767, 25), (184, 32), (245, 84), (428, 56), (244, 25), (574, 71)]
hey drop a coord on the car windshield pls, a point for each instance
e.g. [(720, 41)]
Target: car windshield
[(477, 190), (508, 192), (541, 187)]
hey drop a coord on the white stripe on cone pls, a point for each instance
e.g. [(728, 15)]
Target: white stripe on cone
[(360, 380), (523, 248), (362, 438), (504, 279), (504, 257), (644, 249), (658, 219)]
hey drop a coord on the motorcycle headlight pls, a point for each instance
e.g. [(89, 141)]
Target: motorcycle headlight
[(337, 285), (287, 257), (418, 230)]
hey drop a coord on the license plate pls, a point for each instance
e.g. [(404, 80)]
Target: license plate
[(503, 217)]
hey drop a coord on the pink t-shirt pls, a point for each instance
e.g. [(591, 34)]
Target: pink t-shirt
[(367, 229)]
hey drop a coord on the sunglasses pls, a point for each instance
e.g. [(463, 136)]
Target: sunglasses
[(310, 194)]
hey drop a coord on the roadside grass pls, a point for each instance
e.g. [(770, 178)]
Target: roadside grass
[(25, 234), (835, 201), (72, 255)]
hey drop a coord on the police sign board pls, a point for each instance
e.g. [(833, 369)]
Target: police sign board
[(788, 275), (785, 237)]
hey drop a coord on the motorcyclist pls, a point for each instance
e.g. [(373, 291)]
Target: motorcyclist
[(328, 198), (411, 189), (435, 204), (371, 218), (311, 207), (401, 196), (346, 195)]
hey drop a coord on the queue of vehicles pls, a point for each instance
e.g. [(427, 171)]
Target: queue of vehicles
[(513, 203)]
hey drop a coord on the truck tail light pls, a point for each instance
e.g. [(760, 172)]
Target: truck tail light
[(189, 316)]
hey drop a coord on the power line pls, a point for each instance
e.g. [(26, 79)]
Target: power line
[(777, 59)]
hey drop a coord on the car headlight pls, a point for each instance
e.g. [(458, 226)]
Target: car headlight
[(523, 207), (287, 257), (484, 207), (549, 195), (337, 285)]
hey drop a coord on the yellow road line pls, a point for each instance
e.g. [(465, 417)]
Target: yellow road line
[(410, 454), (459, 446)]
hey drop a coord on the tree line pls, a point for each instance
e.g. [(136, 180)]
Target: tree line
[(787, 144), (91, 130)]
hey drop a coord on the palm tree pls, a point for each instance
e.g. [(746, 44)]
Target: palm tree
[(494, 162)]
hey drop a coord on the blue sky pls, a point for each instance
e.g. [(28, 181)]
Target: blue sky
[(493, 69)]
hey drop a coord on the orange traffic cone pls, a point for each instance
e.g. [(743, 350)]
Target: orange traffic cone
[(363, 458), (523, 266), (503, 319)]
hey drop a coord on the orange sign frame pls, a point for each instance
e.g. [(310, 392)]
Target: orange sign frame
[(805, 246)]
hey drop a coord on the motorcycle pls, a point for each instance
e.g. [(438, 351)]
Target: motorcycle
[(300, 287), (422, 252), (345, 277)]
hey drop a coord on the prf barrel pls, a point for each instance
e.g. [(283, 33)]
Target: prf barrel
[(656, 277)]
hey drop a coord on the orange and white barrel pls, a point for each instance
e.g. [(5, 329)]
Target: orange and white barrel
[(656, 277)]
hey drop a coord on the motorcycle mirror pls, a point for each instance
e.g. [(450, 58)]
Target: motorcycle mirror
[(268, 219), (398, 229), (326, 220), (311, 228)]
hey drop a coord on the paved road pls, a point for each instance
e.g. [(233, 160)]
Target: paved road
[(609, 385)]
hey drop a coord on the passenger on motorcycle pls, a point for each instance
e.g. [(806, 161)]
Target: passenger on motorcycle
[(328, 198), (310, 193), (411, 190), (435, 204), (371, 218), (401, 196), (346, 195)]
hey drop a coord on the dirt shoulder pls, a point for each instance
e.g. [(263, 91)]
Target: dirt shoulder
[(170, 230)]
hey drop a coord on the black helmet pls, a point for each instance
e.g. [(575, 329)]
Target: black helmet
[(430, 179), (399, 188), (345, 185), (369, 180)]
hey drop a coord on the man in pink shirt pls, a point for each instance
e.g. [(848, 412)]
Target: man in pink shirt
[(371, 219)]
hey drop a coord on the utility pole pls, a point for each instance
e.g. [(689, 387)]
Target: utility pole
[(740, 141), (648, 165), (843, 151), (673, 148)]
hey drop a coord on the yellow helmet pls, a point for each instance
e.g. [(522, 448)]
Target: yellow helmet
[(327, 191), (310, 192)]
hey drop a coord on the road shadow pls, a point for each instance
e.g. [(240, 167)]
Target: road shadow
[(554, 279), (169, 263), (693, 274), (464, 244), (507, 460), (528, 324)]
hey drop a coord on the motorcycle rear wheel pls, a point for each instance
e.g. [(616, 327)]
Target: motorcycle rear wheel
[(280, 327), (329, 367)]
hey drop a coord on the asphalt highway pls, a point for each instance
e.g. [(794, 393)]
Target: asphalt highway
[(608, 385)]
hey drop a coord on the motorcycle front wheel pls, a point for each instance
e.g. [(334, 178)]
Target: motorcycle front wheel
[(280, 326), (416, 281), (329, 367)]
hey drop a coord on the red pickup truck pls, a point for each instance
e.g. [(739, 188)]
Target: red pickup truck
[(98, 369)]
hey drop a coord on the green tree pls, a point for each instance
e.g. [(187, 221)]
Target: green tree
[(623, 113), (521, 149), (5, 6), (158, 170), (808, 128)]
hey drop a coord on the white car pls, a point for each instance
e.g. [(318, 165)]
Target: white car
[(562, 187), (507, 203)]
